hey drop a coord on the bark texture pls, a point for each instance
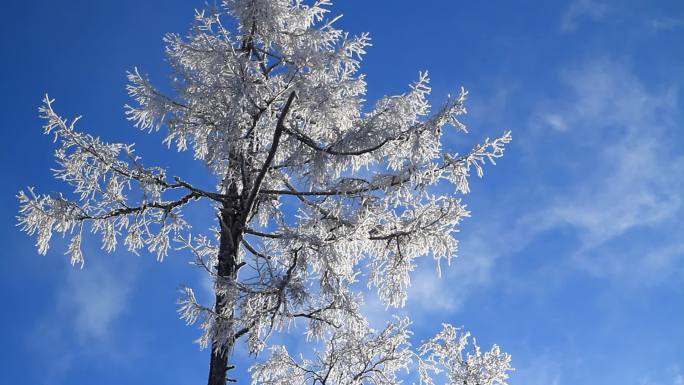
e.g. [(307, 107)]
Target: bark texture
[(231, 234), (233, 218)]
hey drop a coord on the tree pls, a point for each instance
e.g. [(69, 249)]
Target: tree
[(314, 194)]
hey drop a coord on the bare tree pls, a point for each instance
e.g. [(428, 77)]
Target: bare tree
[(315, 192)]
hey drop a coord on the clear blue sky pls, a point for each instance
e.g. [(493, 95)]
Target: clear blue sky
[(574, 258)]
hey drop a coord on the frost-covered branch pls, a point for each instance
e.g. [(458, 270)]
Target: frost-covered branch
[(361, 356), (366, 356), (448, 353), (103, 175), (316, 193)]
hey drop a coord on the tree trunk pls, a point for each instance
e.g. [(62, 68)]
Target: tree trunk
[(231, 234), (233, 217)]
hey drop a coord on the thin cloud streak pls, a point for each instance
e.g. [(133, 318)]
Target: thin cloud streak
[(579, 11), (626, 184), (627, 179), (83, 319)]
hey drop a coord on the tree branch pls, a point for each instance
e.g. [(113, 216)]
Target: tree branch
[(329, 149), (250, 231), (131, 210), (271, 154)]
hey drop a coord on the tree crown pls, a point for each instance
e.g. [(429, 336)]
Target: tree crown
[(315, 191)]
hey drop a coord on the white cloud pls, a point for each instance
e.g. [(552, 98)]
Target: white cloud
[(493, 237), (667, 23), (674, 379), (679, 380), (431, 293), (622, 180), (627, 178), (90, 301), (93, 299), (555, 121), (580, 10), (431, 296), (541, 369), (82, 322), (635, 267)]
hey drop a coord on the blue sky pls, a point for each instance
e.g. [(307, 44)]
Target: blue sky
[(573, 260)]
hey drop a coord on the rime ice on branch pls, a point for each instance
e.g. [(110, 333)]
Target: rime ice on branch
[(315, 192)]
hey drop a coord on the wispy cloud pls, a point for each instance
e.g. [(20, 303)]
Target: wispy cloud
[(627, 174), (579, 11), (83, 320), (541, 370), (679, 380), (95, 299), (430, 293), (667, 23), (670, 376), (610, 138)]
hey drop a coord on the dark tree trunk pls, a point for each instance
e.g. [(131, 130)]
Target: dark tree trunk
[(231, 234), (218, 367), (233, 217)]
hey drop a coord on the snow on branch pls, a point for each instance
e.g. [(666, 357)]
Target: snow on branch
[(361, 356), (366, 356), (103, 175), (448, 353), (316, 193)]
